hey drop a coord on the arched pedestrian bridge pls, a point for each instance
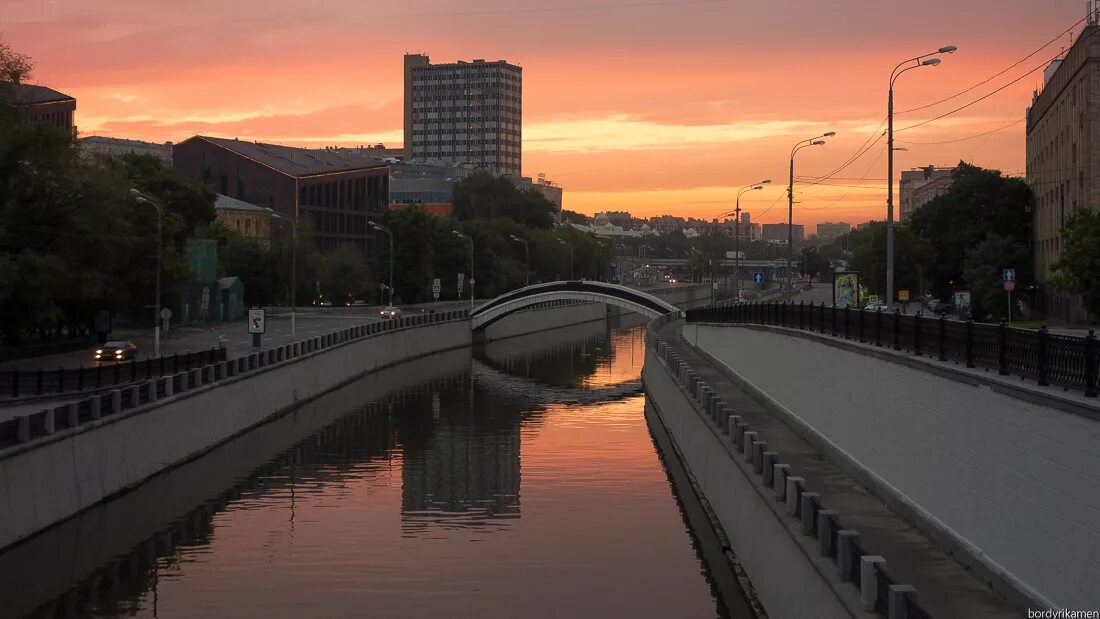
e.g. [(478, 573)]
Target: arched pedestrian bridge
[(612, 294)]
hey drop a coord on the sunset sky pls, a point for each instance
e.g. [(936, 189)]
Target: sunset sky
[(651, 106)]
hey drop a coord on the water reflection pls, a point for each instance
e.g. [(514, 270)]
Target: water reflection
[(400, 495)]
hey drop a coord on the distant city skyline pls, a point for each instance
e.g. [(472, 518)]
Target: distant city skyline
[(646, 107)]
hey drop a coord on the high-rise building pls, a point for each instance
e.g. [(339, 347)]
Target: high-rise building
[(1063, 160), (777, 233), (918, 187), (464, 113), (828, 231)]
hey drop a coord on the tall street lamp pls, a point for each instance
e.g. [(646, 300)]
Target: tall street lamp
[(293, 269), (144, 199), (526, 258), (790, 204), (381, 228), (736, 212), (570, 257), (472, 278), (922, 61)]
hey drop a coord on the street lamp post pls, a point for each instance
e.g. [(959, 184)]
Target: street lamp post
[(924, 60), (570, 257), (293, 270), (144, 199), (381, 228), (473, 279), (790, 204), (526, 258), (736, 212)]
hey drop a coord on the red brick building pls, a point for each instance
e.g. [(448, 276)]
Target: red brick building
[(44, 105), (340, 192)]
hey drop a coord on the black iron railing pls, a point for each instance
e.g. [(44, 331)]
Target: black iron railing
[(1047, 358)]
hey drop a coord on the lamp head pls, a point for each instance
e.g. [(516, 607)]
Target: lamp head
[(134, 192), (829, 134), (948, 49), (931, 62), (765, 182), (818, 142), (141, 200), (757, 187)]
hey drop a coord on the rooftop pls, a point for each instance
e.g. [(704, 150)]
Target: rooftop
[(294, 161), (31, 94), (228, 203)]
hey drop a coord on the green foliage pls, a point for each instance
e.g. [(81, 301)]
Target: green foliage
[(246, 258), (983, 272), (344, 276), (1078, 269), (13, 65), (815, 263), (979, 202), (868, 248), (484, 196), (573, 217)]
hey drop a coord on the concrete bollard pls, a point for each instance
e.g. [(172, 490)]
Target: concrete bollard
[(135, 396), (279, 353), (151, 391), (725, 416), (869, 565), (252, 361), (167, 380), (826, 526), (758, 449), (747, 440), (194, 380), (97, 407), (116, 400), (895, 603), (739, 435), (846, 542), (23, 429), (73, 411), (768, 460), (222, 371), (294, 349), (242, 365), (793, 495), (779, 480), (49, 420), (271, 356), (208, 374)]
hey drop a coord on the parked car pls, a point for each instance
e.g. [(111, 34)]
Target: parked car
[(120, 350), (390, 312), (943, 309), (877, 308)]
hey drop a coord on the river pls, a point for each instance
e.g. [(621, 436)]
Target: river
[(520, 481)]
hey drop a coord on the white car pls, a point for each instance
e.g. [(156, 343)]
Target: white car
[(390, 312), (877, 308)]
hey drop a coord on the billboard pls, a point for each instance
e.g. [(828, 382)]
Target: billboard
[(962, 303), (846, 289)]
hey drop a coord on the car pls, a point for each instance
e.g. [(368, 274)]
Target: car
[(877, 308), (119, 350), (943, 309), (390, 311)]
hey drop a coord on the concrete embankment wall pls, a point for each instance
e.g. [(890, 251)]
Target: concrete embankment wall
[(789, 576), (95, 541), (1009, 484), (53, 477)]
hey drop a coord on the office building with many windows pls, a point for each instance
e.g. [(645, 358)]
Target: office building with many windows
[(464, 113)]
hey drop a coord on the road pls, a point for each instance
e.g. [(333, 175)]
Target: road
[(309, 323)]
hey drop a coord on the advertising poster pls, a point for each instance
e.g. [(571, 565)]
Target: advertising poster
[(962, 303), (846, 289)]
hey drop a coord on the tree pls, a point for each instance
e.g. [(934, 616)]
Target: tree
[(573, 217), (868, 247), (983, 271), (484, 196), (344, 275), (1078, 269), (978, 203), (815, 263), (14, 67)]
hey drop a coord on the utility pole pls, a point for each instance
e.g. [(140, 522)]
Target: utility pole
[(144, 199)]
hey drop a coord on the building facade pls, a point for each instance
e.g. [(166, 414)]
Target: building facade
[(827, 232), (114, 147), (340, 193), (464, 113), (43, 105), (918, 187), (777, 233), (245, 218), (1063, 161)]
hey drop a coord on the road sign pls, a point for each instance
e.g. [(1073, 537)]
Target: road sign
[(166, 313), (903, 295), (472, 282), (758, 277), (435, 289), (256, 321), (1009, 275), (461, 283), (1009, 285)]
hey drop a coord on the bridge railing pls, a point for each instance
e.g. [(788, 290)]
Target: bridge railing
[(1048, 358)]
